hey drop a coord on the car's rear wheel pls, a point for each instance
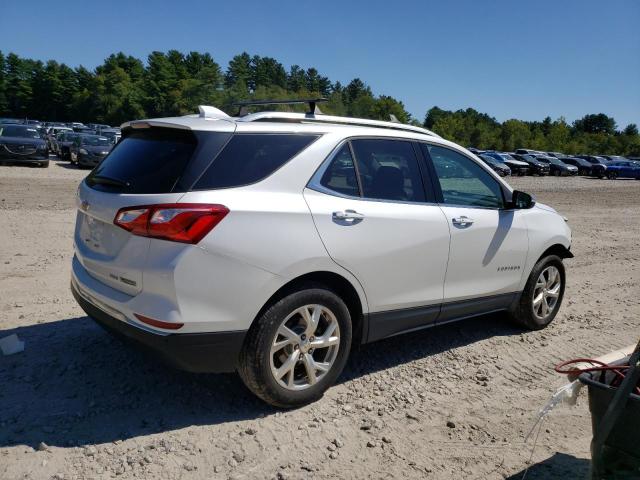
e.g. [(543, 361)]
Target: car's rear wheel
[(542, 295), (297, 348), (612, 175)]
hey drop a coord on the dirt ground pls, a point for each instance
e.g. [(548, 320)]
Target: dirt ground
[(451, 402)]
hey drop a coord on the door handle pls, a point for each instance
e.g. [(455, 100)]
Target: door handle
[(462, 221), (348, 216)]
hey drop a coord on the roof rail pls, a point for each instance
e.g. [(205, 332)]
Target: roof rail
[(313, 108), (331, 119)]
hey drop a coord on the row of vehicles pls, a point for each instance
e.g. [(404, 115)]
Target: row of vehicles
[(533, 162), (31, 142)]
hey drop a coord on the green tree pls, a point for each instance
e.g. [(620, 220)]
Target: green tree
[(4, 105), (595, 123), (630, 130), (239, 73)]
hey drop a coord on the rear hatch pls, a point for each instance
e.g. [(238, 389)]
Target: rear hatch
[(149, 166)]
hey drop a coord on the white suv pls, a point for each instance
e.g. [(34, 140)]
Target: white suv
[(271, 243)]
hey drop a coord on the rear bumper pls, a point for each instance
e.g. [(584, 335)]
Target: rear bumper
[(194, 352)]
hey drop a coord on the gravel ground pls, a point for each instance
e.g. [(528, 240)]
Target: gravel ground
[(450, 402)]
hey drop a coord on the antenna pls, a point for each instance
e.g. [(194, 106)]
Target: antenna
[(312, 102)]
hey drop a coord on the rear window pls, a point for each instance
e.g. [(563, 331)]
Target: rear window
[(249, 158), (146, 161)]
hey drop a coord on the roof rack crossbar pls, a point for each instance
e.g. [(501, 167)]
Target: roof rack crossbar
[(331, 119), (312, 102)]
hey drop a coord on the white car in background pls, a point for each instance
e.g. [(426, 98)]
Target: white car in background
[(271, 243)]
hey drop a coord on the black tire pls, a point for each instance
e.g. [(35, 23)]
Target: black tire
[(612, 175), (523, 314), (44, 164), (557, 173), (254, 365)]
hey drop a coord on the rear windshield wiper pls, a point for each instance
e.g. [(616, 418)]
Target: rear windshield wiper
[(104, 180)]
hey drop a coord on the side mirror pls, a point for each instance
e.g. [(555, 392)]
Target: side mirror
[(521, 200)]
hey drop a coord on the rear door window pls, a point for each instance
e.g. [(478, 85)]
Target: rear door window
[(249, 158), (388, 170)]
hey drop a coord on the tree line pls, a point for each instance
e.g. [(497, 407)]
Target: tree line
[(172, 83)]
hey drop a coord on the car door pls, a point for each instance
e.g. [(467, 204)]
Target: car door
[(489, 243), (376, 220)]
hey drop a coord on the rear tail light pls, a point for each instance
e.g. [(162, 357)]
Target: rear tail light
[(176, 222)]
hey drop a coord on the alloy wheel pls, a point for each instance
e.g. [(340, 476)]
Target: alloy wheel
[(305, 347), (547, 292)]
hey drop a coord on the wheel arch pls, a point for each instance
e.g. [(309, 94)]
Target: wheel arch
[(556, 249), (334, 282)]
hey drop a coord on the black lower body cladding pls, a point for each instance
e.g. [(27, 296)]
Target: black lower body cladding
[(193, 352)]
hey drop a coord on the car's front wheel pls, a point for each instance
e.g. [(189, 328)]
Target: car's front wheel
[(542, 295), (297, 348)]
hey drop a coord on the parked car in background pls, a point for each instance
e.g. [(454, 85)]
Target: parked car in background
[(517, 167), (97, 126), (584, 167), (52, 133), (112, 134), (594, 158), (89, 150), (23, 144), (615, 158), (555, 154), (536, 166), (498, 167), (598, 165), (623, 169), (556, 167), (62, 143), (75, 125), (475, 151), (85, 130), (9, 121), (527, 151)]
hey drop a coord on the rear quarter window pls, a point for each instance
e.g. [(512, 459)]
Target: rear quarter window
[(249, 158)]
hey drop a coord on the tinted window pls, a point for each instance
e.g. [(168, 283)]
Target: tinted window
[(19, 131), (95, 141), (340, 176), (249, 158), (145, 161), (463, 181), (388, 170)]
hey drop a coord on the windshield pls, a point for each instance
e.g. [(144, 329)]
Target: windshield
[(96, 141), (19, 131)]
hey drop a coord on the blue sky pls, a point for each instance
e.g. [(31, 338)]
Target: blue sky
[(510, 59)]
